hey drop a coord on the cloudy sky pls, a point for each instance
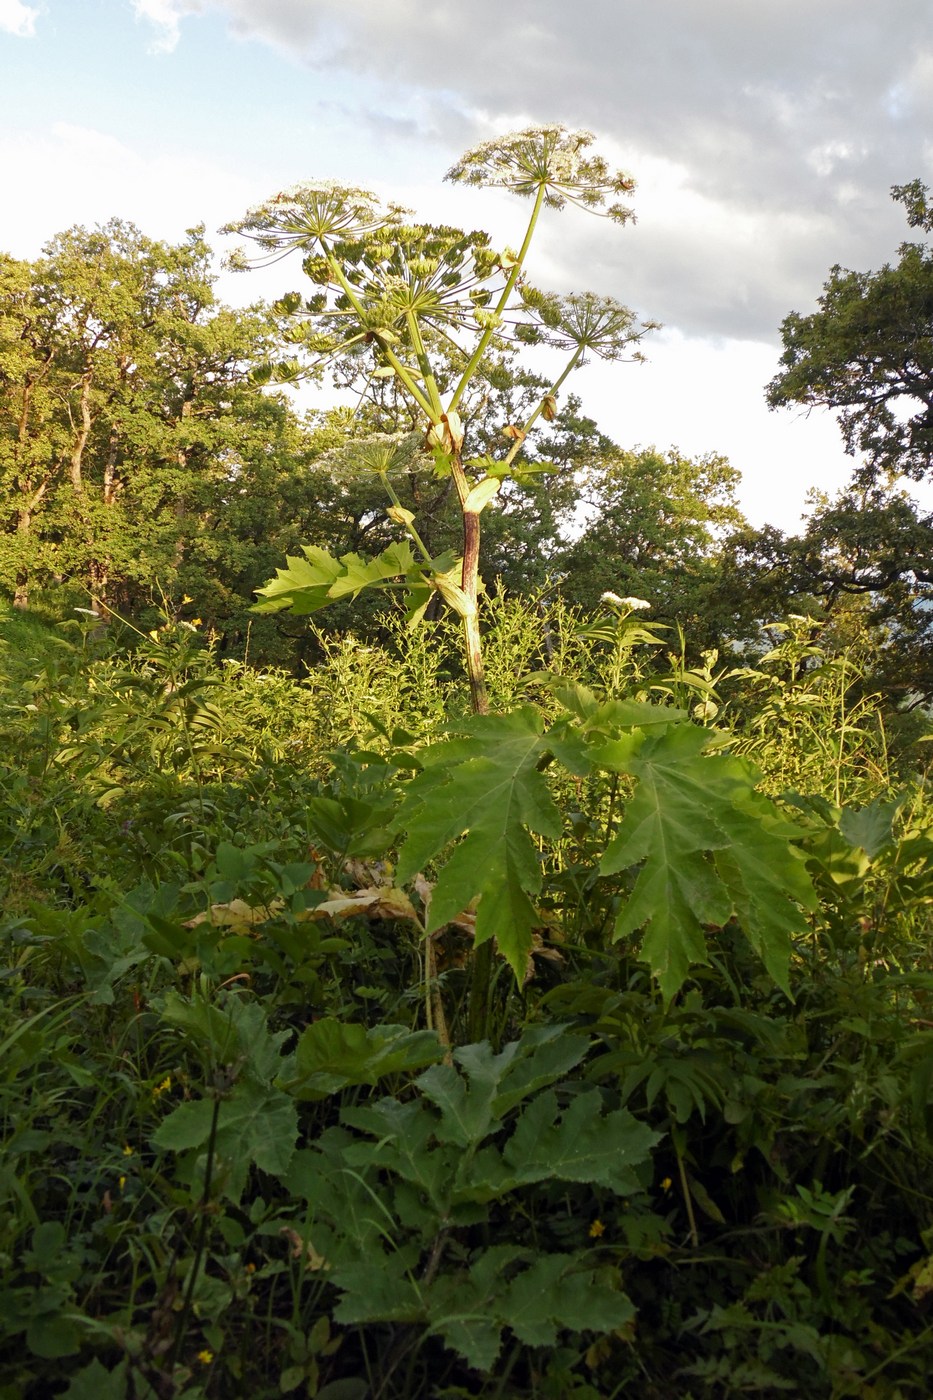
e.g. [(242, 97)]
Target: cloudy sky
[(764, 137)]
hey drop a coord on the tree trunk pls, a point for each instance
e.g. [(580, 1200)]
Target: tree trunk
[(23, 527), (80, 442)]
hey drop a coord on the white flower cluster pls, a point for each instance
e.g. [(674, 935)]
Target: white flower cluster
[(550, 157), (630, 604), (599, 324), (378, 453), (313, 215)]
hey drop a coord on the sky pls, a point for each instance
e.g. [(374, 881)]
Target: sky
[(764, 139)]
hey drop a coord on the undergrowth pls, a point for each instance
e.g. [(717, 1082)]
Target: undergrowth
[(250, 1145)]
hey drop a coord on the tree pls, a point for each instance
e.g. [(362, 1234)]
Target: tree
[(868, 353), (33, 436), (127, 410), (656, 527), (864, 565)]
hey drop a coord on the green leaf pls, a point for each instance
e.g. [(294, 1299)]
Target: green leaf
[(767, 880), (236, 1032), (870, 827), (403, 1145), (485, 788), (48, 1242), (553, 1294), (710, 847), (349, 1217), (466, 1308), (95, 1382), (351, 826), (309, 584), (332, 1054), (51, 1335), (188, 1125), (471, 1107), (607, 715), (378, 1289), (580, 1143), (349, 1388), (255, 1125)]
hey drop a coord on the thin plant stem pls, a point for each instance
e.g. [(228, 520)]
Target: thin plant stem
[(685, 1189), (400, 369), (409, 525), (500, 304), (530, 421), (427, 375), (202, 1236)]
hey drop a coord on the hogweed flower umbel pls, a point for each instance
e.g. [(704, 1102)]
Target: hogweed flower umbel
[(378, 453), (553, 158), (630, 604), (312, 216), (583, 321)]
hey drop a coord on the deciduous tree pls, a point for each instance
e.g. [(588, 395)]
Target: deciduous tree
[(867, 352)]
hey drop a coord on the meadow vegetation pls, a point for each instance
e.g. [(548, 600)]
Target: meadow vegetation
[(434, 983)]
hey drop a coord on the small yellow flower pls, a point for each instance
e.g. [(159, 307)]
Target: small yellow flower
[(122, 1182), (127, 1150), (186, 599), (666, 1184), (205, 1357), (250, 1268), (596, 1229), (161, 1088)]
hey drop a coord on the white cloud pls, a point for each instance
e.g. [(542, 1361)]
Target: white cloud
[(17, 18), (165, 16), (90, 176), (780, 118)]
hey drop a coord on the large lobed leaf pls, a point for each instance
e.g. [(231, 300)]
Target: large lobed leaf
[(710, 848), (485, 788), (554, 1293), (309, 584), (256, 1125), (332, 1054)]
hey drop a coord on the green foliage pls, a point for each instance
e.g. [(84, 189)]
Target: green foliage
[(865, 352), (126, 410), (351, 1046), (708, 846), (862, 567), (410, 1179), (656, 526), (233, 1129), (309, 584), (711, 848), (332, 1054), (487, 787)]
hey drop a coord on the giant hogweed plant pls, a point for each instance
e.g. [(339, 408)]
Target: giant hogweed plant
[(392, 289), (705, 846)]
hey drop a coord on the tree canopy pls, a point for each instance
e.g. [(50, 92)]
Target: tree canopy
[(868, 353)]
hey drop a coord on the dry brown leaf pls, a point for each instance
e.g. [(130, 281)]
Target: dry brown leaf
[(381, 902), (237, 915)]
